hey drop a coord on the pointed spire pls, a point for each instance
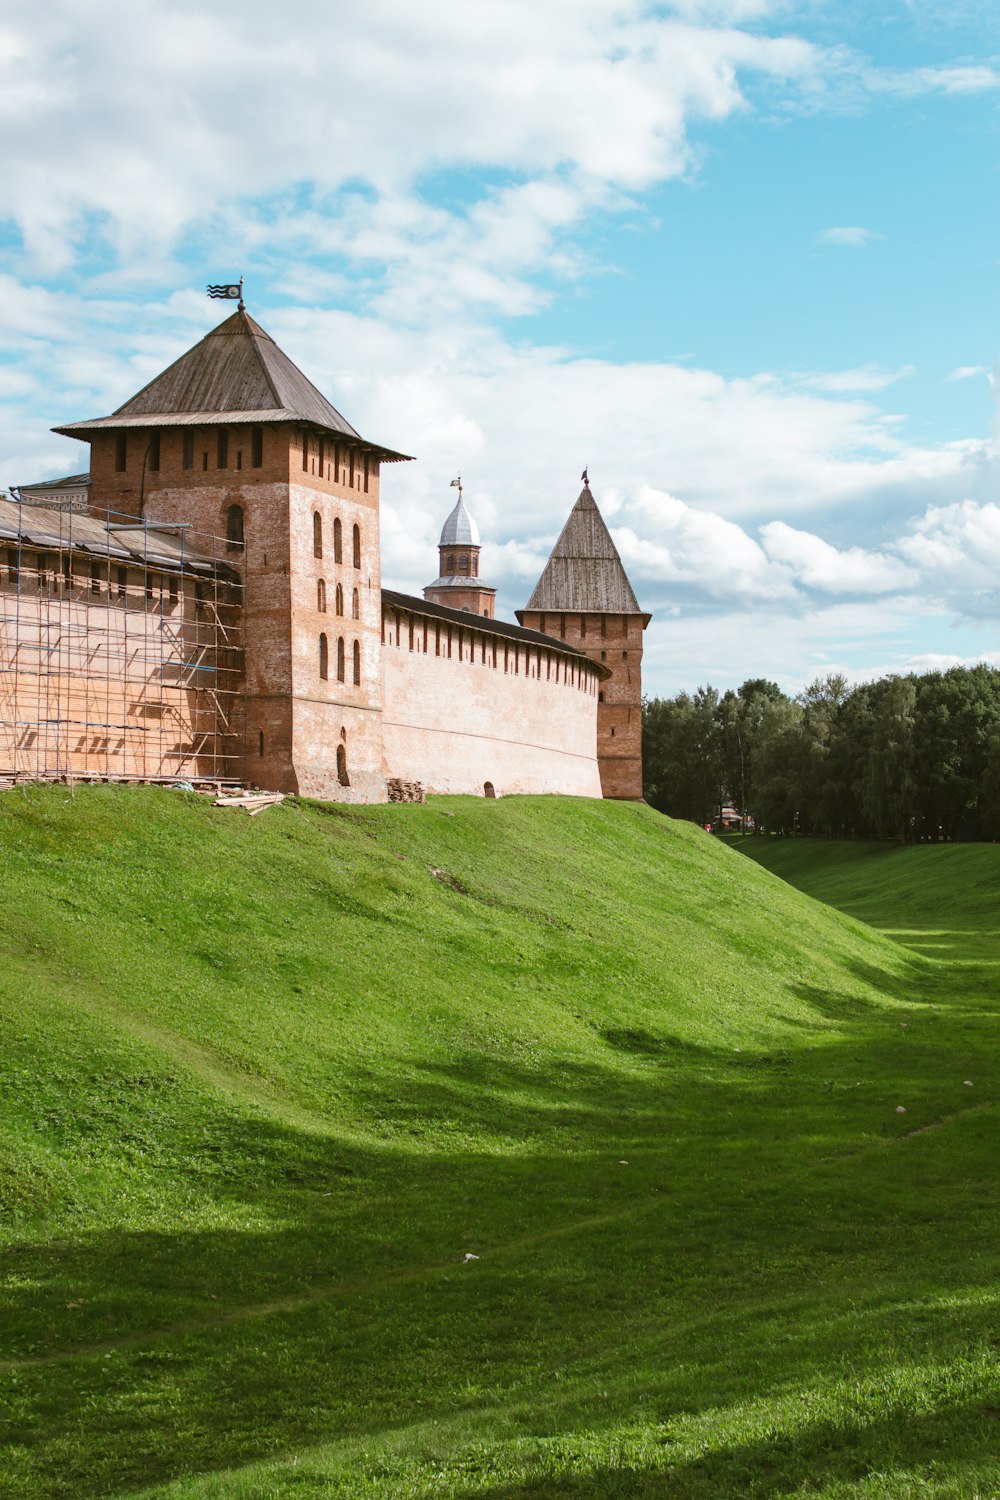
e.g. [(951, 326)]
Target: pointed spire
[(236, 373), (584, 571)]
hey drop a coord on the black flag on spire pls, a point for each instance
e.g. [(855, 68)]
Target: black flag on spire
[(230, 291), (583, 476)]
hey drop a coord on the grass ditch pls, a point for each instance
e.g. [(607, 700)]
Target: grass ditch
[(269, 1082)]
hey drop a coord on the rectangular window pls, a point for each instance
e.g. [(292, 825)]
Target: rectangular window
[(305, 452), (322, 456), (121, 575), (95, 578), (154, 453), (13, 565), (366, 473), (336, 463), (257, 447), (67, 572), (352, 468), (121, 453), (449, 641), (189, 450), (222, 449), (411, 632), (174, 591), (437, 640)]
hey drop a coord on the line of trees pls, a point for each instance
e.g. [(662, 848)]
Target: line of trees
[(905, 758)]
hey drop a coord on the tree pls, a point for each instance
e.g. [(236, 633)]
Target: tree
[(680, 754)]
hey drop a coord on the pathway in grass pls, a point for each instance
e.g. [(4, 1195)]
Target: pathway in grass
[(268, 1084)]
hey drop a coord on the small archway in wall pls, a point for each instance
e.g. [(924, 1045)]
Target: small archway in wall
[(342, 775), (489, 790)]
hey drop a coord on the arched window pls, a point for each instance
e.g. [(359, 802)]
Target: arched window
[(342, 775), (451, 562), (317, 534), (321, 595), (340, 658), (338, 602), (338, 543), (356, 652), (234, 528), (463, 562), (324, 658), (357, 546), (355, 605)]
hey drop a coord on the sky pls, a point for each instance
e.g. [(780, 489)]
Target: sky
[(738, 257)]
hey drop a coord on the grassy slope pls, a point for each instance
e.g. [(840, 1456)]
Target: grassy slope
[(940, 899), (266, 1082)]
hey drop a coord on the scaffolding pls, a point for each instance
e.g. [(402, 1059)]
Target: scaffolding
[(121, 649)]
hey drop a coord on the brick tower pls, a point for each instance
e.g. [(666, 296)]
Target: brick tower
[(232, 442), (458, 584), (584, 597)]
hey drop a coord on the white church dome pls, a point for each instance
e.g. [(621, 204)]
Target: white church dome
[(460, 530)]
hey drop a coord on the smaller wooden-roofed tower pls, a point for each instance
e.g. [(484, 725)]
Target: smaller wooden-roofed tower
[(236, 448), (584, 598)]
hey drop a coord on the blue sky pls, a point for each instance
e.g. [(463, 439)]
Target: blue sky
[(738, 256)]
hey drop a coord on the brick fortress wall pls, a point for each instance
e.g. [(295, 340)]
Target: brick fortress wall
[(465, 707)]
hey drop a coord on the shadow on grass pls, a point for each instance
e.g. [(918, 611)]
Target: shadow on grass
[(697, 1230)]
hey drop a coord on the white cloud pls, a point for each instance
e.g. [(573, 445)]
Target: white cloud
[(864, 378), (140, 124), (968, 372), (848, 234), (818, 565)]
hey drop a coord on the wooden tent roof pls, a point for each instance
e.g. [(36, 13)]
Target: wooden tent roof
[(236, 373), (584, 572)]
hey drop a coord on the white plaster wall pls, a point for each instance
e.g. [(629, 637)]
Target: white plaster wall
[(454, 725)]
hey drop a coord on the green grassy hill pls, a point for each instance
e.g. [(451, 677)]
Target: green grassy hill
[(531, 1148), (940, 899)]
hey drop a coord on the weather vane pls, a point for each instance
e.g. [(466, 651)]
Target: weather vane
[(456, 484), (583, 476), (230, 292)]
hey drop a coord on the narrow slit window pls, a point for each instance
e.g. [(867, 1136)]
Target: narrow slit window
[(324, 658), (357, 546), (355, 605), (234, 528), (338, 541), (338, 599), (318, 534), (188, 459), (340, 658), (356, 655), (222, 448), (257, 450), (321, 595), (121, 452)]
